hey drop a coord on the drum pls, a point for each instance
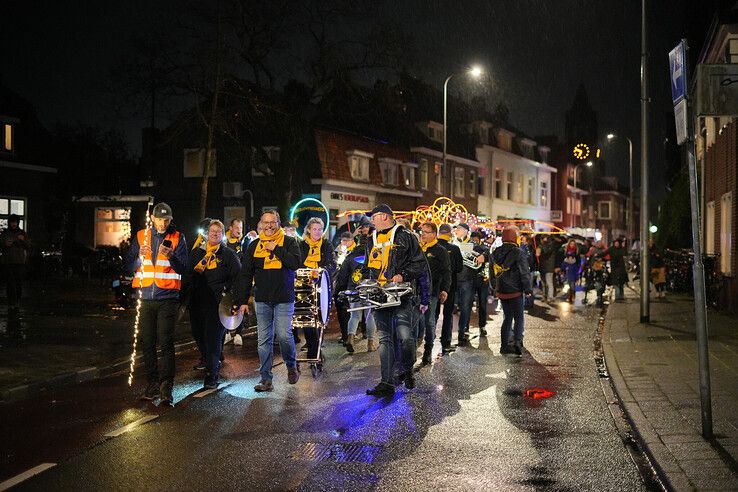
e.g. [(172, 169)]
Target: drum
[(313, 297)]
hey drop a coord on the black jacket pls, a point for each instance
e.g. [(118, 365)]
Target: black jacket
[(455, 261), (276, 286), (440, 269), (327, 256), (351, 270), (515, 276), (217, 280), (548, 257), (405, 258)]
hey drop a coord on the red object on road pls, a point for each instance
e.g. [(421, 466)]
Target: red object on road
[(537, 393)]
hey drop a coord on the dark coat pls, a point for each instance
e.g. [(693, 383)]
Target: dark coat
[(456, 262), (515, 276), (277, 286), (618, 271), (327, 256), (440, 269), (213, 281), (548, 257)]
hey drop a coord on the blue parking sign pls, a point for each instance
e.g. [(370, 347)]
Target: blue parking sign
[(678, 72)]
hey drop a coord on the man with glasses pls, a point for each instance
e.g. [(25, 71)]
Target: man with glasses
[(269, 265), (394, 255), (440, 272)]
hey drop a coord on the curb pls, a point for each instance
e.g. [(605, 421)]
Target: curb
[(30, 390), (648, 441)]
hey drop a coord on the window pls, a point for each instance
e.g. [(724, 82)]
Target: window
[(9, 206), (112, 226), (438, 171), (531, 191), (8, 140), (274, 153), (423, 173), (359, 165), (459, 181), (568, 204), (194, 163), (732, 54), (509, 186), (389, 172), (435, 131), (232, 189), (603, 210), (498, 183), (408, 177), (519, 189), (578, 205), (709, 228), (726, 233), (472, 183), (544, 193)]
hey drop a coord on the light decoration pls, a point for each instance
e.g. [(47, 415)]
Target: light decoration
[(581, 151), (445, 211), (139, 274), (306, 208), (125, 214)]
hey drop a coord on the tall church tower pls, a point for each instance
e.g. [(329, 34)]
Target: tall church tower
[(581, 121)]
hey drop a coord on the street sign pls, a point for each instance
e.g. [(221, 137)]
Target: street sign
[(717, 90), (678, 72), (557, 215), (680, 117)]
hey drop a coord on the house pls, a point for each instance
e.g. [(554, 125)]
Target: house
[(28, 181), (716, 152), (520, 179)]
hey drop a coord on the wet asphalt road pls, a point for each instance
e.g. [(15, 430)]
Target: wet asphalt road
[(467, 426)]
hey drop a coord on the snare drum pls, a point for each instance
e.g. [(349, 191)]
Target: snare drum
[(313, 297)]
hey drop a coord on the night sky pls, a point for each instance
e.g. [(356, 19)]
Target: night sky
[(537, 52)]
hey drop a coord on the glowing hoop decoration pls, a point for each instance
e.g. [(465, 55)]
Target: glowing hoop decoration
[(139, 274), (306, 209)]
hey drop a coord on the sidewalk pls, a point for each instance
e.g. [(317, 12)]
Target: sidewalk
[(654, 369), (68, 331)]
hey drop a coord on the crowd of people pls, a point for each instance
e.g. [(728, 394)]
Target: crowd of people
[(447, 269)]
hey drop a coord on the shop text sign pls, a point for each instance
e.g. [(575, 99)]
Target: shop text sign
[(348, 197)]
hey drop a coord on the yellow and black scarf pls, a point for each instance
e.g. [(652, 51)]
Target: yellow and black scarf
[(271, 262), (425, 246), (445, 237), (209, 261), (313, 256), (234, 240), (379, 255)]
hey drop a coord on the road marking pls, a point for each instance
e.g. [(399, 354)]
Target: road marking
[(209, 391), (12, 482), (131, 426)]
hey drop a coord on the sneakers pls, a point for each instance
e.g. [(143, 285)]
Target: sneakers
[(482, 332), (166, 393), (293, 375), (371, 345), (237, 340), (210, 383), (517, 349), (350, 344), (409, 380), (382, 389), (227, 338), (427, 359), (264, 385), (200, 366), (447, 349), (151, 392), (506, 350)]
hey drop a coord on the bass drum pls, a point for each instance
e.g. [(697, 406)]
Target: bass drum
[(326, 296)]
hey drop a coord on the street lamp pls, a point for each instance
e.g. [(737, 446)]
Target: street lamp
[(571, 208), (610, 138), (475, 72)]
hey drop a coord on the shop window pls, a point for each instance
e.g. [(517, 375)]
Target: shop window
[(459, 182), (423, 173)]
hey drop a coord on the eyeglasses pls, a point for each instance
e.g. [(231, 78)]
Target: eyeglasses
[(269, 223)]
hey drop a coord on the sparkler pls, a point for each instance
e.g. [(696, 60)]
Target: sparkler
[(139, 274)]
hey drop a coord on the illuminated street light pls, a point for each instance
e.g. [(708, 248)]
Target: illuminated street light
[(475, 72), (654, 229), (610, 136), (590, 163)]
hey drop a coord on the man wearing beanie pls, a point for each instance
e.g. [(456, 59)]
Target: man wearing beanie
[(477, 255), (512, 274)]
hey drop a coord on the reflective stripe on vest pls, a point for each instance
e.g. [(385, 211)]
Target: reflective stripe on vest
[(162, 274)]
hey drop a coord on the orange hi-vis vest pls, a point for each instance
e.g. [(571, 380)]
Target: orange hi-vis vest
[(161, 273)]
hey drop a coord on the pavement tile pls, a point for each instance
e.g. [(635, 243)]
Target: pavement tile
[(688, 450), (679, 438)]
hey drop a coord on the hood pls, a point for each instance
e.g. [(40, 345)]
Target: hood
[(506, 254)]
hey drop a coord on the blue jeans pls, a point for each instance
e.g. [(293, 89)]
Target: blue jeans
[(353, 323), (512, 310), (274, 317), (395, 333), (427, 324), (465, 299)]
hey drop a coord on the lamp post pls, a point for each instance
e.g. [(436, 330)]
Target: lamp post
[(474, 72), (576, 168), (631, 231)]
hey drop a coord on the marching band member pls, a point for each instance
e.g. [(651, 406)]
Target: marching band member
[(344, 249), (480, 282), (269, 266), (315, 252), (348, 277), (440, 272), (456, 263), (211, 273), (467, 278), (234, 236), (394, 254)]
